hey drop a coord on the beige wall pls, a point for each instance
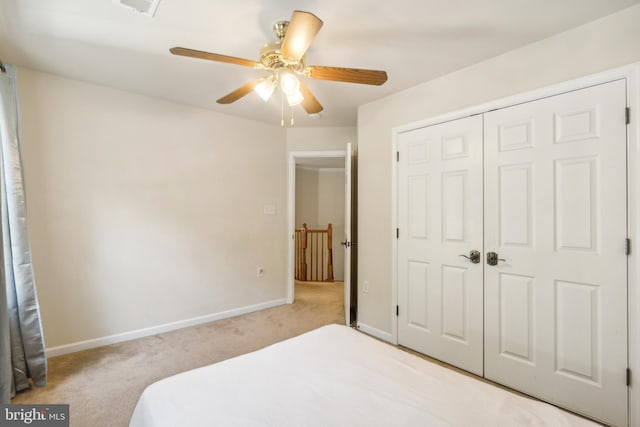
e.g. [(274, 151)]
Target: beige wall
[(607, 43), (306, 197), (145, 212), (321, 138)]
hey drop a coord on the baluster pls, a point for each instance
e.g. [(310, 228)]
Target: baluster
[(316, 235), (322, 257), (303, 258), (330, 253)]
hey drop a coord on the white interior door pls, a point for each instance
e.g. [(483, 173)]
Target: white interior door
[(440, 292), (555, 211), (347, 235)]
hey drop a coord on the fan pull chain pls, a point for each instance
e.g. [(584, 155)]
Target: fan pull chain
[(292, 122)]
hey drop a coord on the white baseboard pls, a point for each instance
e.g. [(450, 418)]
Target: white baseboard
[(370, 330), (153, 330)]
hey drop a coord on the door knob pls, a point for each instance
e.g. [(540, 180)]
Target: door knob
[(474, 256), (492, 258)]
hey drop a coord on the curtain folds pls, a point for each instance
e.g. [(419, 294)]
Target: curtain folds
[(22, 351)]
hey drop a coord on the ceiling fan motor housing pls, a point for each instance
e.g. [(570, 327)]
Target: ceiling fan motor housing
[(270, 56), (271, 59)]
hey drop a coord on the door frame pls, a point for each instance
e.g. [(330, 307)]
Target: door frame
[(293, 156), (631, 74)]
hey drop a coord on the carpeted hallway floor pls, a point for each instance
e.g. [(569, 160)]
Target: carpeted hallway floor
[(102, 385)]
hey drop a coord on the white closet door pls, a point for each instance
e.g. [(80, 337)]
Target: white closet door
[(440, 218), (555, 211)]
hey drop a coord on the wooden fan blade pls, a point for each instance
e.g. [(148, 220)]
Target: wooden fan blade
[(183, 51), (310, 103), (238, 93), (301, 31), (350, 75)]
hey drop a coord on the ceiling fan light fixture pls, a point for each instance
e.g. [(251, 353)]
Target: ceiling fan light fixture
[(265, 88), (295, 98), (289, 84)]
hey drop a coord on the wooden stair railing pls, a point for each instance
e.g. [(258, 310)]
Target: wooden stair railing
[(310, 265)]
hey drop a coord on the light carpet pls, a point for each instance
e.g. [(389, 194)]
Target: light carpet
[(102, 385)]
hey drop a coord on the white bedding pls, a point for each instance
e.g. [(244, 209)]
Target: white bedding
[(335, 376)]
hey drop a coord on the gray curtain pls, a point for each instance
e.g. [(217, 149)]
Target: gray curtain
[(22, 354)]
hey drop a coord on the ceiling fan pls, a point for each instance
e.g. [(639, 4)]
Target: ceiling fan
[(284, 59)]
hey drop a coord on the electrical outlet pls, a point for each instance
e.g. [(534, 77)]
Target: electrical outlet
[(260, 272), (365, 286)]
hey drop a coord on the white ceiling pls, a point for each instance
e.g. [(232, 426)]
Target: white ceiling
[(413, 40)]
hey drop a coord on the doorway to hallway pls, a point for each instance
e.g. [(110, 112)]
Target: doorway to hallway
[(319, 184)]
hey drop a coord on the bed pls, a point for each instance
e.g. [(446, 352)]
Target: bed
[(336, 376)]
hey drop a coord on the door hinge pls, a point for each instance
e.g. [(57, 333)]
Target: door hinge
[(397, 310), (397, 233), (627, 246), (628, 377), (627, 115), (397, 156)]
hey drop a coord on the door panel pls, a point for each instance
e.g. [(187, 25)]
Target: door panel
[(516, 317), (515, 197), (440, 218), (453, 303), (417, 287), (555, 211)]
